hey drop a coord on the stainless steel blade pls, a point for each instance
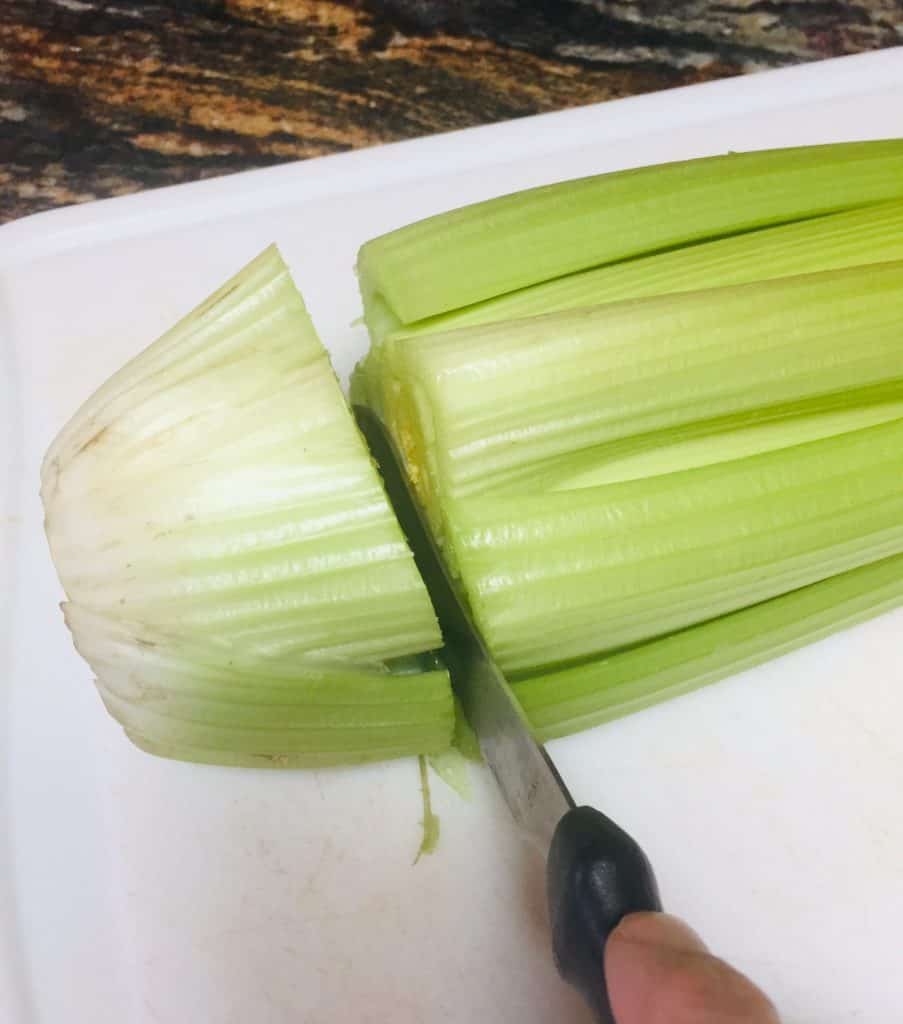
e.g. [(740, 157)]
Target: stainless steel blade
[(531, 786)]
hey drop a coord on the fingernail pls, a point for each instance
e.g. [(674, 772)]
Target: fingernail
[(661, 930)]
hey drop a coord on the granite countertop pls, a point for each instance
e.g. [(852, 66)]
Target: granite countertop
[(101, 98)]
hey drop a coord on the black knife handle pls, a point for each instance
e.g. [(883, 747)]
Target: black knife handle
[(596, 875)]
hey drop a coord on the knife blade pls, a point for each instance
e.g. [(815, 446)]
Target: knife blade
[(533, 790), (596, 873)]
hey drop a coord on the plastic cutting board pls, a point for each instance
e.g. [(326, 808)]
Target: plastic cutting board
[(135, 889)]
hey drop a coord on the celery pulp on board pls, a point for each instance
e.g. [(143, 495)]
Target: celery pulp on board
[(234, 574)]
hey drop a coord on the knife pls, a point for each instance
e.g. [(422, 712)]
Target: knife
[(595, 872)]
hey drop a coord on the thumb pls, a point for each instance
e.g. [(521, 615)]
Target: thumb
[(659, 972)]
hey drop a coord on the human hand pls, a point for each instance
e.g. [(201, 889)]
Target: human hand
[(659, 972)]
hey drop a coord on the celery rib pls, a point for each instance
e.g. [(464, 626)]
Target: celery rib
[(560, 577), (831, 242), (561, 703), (501, 245), (620, 378)]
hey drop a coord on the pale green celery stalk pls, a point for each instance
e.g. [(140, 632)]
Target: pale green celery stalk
[(530, 404), (234, 573), (565, 702), (870, 235), (557, 578), (491, 248)]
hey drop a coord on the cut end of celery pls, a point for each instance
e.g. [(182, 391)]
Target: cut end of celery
[(453, 765), (235, 575)]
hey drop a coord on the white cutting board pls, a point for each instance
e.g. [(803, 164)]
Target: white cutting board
[(139, 890)]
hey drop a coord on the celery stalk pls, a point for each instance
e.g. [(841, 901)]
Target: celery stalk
[(491, 248), (586, 389), (557, 578), (578, 698), (873, 234), (234, 574)]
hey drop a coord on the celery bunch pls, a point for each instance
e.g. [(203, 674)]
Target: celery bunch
[(650, 468), (655, 419)]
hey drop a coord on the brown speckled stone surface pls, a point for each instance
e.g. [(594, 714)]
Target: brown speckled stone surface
[(104, 98)]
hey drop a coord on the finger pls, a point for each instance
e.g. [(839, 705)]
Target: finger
[(660, 972)]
